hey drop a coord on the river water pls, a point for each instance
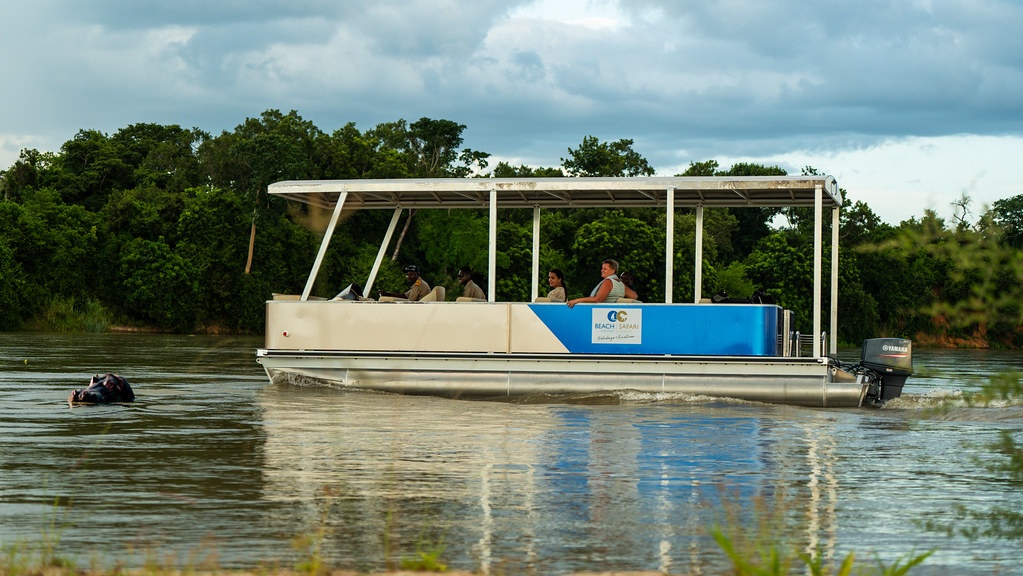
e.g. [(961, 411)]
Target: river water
[(213, 466)]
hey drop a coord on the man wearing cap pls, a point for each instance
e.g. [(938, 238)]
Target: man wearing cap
[(417, 286)]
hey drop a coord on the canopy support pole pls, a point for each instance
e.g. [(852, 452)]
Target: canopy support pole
[(492, 252), (669, 245), (383, 250), (833, 329), (818, 250), (536, 254), (698, 265), (323, 246)]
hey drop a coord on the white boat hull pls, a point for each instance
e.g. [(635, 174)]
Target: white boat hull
[(795, 381)]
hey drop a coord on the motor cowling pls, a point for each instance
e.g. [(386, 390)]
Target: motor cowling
[(892, 360)]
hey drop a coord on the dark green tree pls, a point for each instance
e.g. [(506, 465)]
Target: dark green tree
[(262, 151), (1008, 215), (12, 278), (55, 244), (160, 287), (505, 170), (28, 173), (705, 168), (630, 241), (89, 168), (161, 156), (753, 223), (782, 266), (596, 158)]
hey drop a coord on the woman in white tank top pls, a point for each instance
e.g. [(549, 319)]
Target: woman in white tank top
[(610, 288)]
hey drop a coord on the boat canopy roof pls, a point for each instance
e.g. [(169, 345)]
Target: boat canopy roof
[(569, 192), (667, 193)]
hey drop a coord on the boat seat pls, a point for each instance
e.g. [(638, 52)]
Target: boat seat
[(467, 299), (435, 295)]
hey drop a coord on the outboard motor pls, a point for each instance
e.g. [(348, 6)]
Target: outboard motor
[(891, 360)]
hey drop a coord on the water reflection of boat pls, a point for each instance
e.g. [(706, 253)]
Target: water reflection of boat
[(746, 351), (515, 487)]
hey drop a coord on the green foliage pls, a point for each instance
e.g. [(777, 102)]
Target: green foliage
[(767, 540), (595, 158), (91, 166), (514, 262), (70, 315), (718, 228), (145, 212), (1007, 214), (426, 560), (782, 266), (450, 240), (505, 170), (53, 249), (11, 288), (87, 229), (159, 286), (857, 307), (160, 156), (992, 272), (28, 173), (426, 148), (751, 224), (733, 280), (631, 242), (971, 280)]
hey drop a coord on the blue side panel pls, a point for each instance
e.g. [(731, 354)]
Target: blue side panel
[(691, 329)]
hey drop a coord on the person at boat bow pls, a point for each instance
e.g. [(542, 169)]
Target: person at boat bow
[(417, 286), (469, 288), (610, 288)]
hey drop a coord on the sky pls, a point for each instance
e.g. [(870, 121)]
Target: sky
[(910, 104)]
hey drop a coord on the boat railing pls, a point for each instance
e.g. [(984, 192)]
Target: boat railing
[(793, 343), (801, 345)]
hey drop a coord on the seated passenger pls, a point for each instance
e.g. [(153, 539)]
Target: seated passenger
[(630, 285), (469, 288), (556, 278), (417, 286), (610, 288)]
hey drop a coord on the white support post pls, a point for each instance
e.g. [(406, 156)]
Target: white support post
[(833, 329), (698, 274), (492, 262), (818, 250), (383, 250), (323, 245), (534, 292), (669, 246)]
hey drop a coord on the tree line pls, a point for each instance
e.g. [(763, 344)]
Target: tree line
[(172, 228)]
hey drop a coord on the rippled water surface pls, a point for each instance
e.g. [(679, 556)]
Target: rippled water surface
[(213, 463)]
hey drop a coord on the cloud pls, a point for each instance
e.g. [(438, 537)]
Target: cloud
[(687, 81)]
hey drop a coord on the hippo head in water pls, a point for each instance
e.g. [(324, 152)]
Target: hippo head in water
[(103, 388)]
